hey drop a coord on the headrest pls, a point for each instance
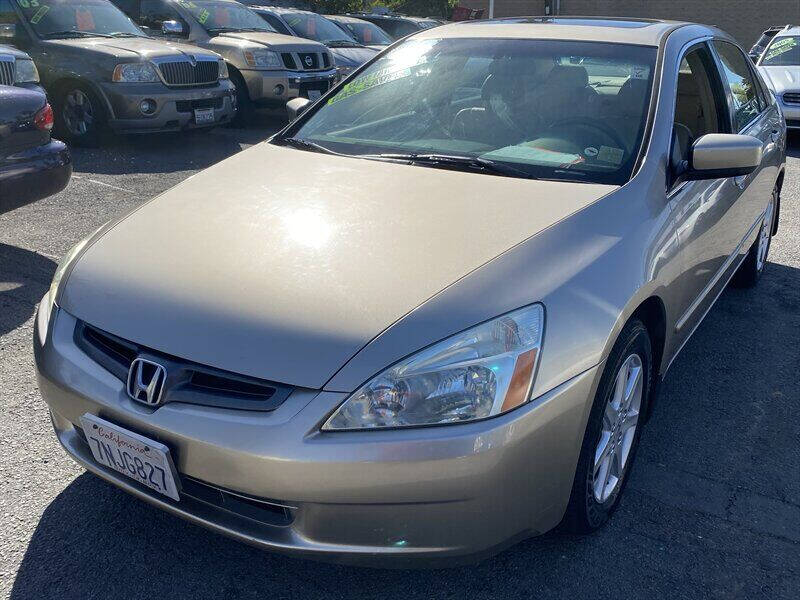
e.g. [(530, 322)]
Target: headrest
[(568, 76)]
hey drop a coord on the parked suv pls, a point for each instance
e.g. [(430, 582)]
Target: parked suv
[(363, 31), (398, 26), (17, 68), (100, 70), (779, 64), (267, 68), (348, 54)]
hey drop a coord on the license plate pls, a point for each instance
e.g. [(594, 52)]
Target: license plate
[(142, 459), (314, 94), (203, 115)]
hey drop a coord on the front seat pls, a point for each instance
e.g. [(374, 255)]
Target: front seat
[(492, 122), (565, 94)]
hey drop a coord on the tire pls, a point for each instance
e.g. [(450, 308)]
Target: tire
[(245, 112), (599, 483), (755, 262), (80, 117)]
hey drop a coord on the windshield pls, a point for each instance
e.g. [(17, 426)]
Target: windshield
[(551, 109), (367, 33), (76, 18), (783, 52), (218, 15), (315, 27)]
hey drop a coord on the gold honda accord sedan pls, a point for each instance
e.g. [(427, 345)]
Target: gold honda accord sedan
[(428, 318)]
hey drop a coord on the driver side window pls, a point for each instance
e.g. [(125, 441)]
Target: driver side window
[(153, 13), (699, 102)]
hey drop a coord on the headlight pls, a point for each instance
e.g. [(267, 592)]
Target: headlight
[(223, 70), (481, 372), (261, 58), (135, 72), (64, 264), (25, 71)]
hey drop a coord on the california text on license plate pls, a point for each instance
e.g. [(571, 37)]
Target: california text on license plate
[(203, 115), (142, 459)]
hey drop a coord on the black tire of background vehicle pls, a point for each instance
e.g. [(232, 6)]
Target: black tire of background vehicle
[(749, 272), (584, 513), (99, 123), (246, 110)]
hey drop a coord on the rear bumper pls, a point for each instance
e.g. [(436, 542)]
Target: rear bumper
[(32, 174), (263, 86), (416, 497), (174, 107)]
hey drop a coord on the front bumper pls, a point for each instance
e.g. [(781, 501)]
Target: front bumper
[(263, 86), (174, 106), (411, 497), (34, 173)]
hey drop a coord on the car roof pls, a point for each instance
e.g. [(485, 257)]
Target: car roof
[(644, 32), (281, 9), (345, 19)]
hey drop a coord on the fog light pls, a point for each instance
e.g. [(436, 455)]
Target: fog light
[(147, 106), (278, 90)]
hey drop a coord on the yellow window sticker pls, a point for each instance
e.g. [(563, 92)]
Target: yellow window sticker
[(611, 155)]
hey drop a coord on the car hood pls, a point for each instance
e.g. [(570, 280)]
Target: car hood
[(352, 57), (282, 264), (126, 48), (9, 51), (781, 79), (278, 41)]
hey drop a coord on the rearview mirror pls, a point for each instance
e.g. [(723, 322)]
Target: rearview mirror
[(296, 107), (172, 28), (720, 155)]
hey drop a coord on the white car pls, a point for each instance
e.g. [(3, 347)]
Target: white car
[(779, 65)]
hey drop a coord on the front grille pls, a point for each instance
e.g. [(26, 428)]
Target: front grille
[(309, 60), (326, 60), (288, 61), (185, 106), (257, 509), (186, 381), (6, 71), (791, 97), (183, 72)]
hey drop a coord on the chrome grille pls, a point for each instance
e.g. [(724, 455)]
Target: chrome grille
[(6, 71), (183, 72), (299, 61), (791, 97)]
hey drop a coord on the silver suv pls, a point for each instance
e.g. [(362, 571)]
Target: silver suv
[(266, 67)]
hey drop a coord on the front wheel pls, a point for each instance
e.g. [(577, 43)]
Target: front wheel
[(612, 432), (245, 108), (79, 116), (752, 267)]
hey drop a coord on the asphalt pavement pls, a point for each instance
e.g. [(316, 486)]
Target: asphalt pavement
[(712, 508)]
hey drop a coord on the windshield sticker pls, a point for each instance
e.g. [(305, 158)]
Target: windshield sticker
[(364, 83), (590, 152), (28, 3), (527, 153), (781, 46), (640, 72), (611, 155), (39, 14)]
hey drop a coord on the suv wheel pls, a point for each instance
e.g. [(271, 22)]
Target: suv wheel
[(245, 109), (80, 116), (613, 431)]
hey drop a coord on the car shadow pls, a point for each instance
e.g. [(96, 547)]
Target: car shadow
[(24, 278), (94, 540), (170, 152)]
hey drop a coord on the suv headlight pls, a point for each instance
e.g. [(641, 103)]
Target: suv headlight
[(141, 72), (25, 71), (223, 70), (478, 373), (261, 58)]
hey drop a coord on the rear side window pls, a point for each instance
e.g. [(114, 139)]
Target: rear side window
[(747, 103)]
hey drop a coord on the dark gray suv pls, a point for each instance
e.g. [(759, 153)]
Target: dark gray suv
[(101, 71)]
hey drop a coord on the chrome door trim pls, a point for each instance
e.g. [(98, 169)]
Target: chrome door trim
[(717, 276)]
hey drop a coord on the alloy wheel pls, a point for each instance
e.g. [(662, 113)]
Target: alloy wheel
[(765, 236), (78, 112), (620, 420)]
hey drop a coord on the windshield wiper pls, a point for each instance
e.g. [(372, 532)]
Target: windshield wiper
[(234, 29), (73, 32), (343, 44), (468, 163), (123, 34), (306, 145)]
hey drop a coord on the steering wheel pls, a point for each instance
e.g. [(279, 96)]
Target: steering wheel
[(594, 124)]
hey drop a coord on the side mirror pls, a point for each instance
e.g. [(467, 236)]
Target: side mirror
[(721, 155), (296, 107), (172, 28)]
